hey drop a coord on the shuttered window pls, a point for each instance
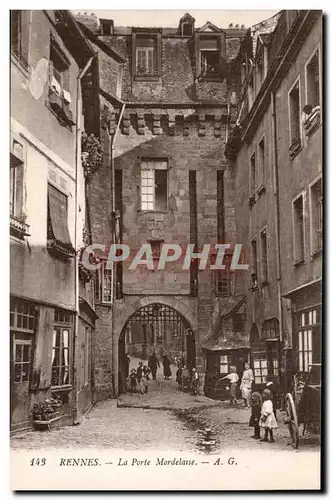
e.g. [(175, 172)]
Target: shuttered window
[(58, 237)]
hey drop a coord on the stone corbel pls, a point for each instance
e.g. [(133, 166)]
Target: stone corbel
[(156, 124), (201, 124), (126, 123), (171, 122), (140, 123), (217, 125)]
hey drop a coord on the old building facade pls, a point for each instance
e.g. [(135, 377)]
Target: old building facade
[(169, 99), (51, 308), (276, 154)]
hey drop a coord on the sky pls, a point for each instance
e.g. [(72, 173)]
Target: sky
[(170, 18)]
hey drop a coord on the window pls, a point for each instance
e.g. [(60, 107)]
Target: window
[(86, 356), (187, 29), (146, 54), (253, 173), (251, 91), (260, 370), (309, 338), (223, 364), (270, 329), (260, 71), (223, 278), (209, 57), (261, 161), (22, 327), (316, 216), (59, 84), (18, 226), (254, 264), (298, 229), (254, 335), (19, 34), (264, 267), (313, 81), (156, 248), (294, 118), (238, 322), (154, 185), (61, 362), (103, 288), (58, 238), (220, 206)]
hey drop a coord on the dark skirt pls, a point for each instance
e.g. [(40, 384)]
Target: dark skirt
[(167, 370)]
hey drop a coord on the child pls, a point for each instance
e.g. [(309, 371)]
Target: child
[(179, 377), (143, 384), (233, 378), (185, 378), (133, 381), (194, 381), (256, 404), (267, 420)]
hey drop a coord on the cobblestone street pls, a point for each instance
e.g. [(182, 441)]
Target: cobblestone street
[(165, 418)]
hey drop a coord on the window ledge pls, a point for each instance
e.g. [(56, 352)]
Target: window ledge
[(59, 250), (147, 78), (21, 64), (57, 106), (313, 122), (298, 263), (61, 388), (18, 228), (295, 148), (261, 190), (252, 200), (152, 212), (316, 253)]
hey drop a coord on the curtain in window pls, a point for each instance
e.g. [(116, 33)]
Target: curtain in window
[(65, 340), (58, 216)]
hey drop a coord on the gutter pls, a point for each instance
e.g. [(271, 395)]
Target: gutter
[(277, 210), (77, 166), (113, 268)]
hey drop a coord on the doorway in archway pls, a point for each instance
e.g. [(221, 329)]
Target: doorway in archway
[(156, 328)]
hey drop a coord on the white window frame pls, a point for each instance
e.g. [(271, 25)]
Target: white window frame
[(145, 192), (318, 48), (261, 174), (313, 249), (147, 50), (296, 81), (303, 194), (264, 280)]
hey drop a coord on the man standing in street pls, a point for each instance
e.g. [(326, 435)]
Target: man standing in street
[(153, 364)]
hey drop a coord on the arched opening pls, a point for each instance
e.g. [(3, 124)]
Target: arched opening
[(156, 328)]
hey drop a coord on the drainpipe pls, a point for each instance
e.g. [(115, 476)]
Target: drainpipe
[(77, 166), (277, 210), (113, 280)]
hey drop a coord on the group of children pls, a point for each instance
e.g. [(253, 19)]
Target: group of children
[(138, 379), (263, 415), (187, 381)]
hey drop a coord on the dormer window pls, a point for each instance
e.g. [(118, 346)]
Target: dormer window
[(146, 55), (210, 53), (187, 25)]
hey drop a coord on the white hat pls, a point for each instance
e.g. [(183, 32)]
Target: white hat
[(269, 383)]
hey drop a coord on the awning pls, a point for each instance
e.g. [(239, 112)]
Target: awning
[(58, 233), (217, 341), (289, 294)]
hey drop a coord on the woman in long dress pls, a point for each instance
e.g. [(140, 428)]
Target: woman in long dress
[(246, 383), (167, 367)]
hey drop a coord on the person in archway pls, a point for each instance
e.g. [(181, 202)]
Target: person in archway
[(126, 363), (153, 364), (167, 367)]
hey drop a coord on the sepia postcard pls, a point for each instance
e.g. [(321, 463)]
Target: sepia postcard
[(166, 239)]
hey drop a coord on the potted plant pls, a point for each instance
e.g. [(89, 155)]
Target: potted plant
[(46, 410), (92, 154)]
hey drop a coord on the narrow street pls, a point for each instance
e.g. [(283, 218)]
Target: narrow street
[(163, 419)]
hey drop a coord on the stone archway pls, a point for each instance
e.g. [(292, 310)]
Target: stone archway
[(156, 327)]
